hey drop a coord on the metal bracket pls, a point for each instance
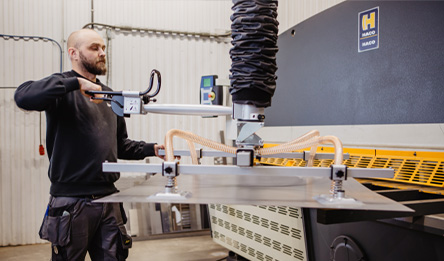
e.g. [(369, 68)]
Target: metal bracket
[(245, 157), (338, 172), (246, 133), (248, 112), (169, 169)]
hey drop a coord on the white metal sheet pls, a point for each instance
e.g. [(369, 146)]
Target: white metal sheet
[(250, 190)]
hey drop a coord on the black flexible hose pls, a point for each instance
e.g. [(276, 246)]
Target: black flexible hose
[(254, 31)]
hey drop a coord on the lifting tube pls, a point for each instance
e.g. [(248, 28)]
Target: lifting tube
[(254, 32)]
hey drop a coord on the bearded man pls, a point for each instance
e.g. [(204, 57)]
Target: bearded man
[(82, 133)]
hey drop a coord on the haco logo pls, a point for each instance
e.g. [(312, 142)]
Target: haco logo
[(368, 29), (368, 21)]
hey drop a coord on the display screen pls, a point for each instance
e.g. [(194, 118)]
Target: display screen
[(207, 82)]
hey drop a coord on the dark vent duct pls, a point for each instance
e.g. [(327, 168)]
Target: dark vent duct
[(254, 32)]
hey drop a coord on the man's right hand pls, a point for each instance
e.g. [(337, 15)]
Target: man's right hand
[(86, 85)]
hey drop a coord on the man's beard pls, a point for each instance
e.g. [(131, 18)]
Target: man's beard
[(94, 67)]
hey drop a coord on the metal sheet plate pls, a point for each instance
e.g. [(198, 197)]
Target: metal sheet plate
[(261, 190)]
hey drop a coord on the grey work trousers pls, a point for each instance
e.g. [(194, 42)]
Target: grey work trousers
[(75, 226)]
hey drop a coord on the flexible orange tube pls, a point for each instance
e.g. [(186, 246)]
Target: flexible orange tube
[(312, 156), (305, 144), (192, 138), (310, 139), (307, 136)]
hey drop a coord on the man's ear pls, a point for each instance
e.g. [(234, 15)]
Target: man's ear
[(73, 52)]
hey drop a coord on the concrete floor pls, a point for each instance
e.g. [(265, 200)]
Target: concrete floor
[(196, 248)]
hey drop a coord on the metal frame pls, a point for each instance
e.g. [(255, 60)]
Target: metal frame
[(189, 169), (290, 155)]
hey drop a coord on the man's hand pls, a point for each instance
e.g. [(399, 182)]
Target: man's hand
[(162, 147), (86, 85), (156, 150)]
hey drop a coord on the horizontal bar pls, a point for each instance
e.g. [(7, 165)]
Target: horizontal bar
[(131, 167), (290, 155), (421, 208), (402, 195), (337, 216), (370, 173), (205, 153), (426, 207), (188, 109), (325, 155), (257, 170)]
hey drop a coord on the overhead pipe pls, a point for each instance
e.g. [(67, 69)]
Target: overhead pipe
[(36, 38), (141, 30), (92, 14)]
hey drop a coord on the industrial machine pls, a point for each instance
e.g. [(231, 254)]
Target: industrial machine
[(356, 63)]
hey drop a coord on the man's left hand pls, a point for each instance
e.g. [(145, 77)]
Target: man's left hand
[(156, 150)]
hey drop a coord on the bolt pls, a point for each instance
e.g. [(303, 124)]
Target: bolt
[(339, 173), (168, 170)]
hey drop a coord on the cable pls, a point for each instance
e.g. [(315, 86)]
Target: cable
[(140, 30), (35, 38)]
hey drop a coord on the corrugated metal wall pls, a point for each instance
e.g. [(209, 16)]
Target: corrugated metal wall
[(182, 61)]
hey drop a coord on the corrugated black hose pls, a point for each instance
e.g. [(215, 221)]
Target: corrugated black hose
[(254, 32)]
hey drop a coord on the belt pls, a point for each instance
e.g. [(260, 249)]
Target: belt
[(90, 196), (84, 196), (95, 196)]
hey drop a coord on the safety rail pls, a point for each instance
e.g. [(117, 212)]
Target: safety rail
[(413, 167)]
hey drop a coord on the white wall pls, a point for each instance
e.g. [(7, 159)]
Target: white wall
[(181, 60), (23, 172)]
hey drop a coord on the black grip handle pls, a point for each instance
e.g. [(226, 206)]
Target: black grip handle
[(144, 93)]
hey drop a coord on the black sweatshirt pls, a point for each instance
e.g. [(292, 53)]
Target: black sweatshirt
[(80, 136)]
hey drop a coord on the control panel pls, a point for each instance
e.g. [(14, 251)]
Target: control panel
[(210, 94)]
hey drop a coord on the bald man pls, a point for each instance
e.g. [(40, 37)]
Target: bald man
[(82, 133)]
